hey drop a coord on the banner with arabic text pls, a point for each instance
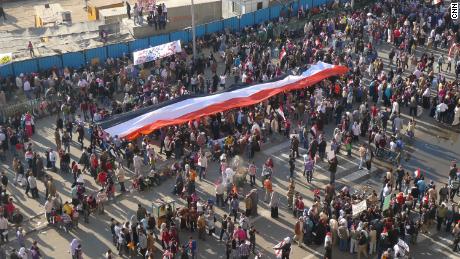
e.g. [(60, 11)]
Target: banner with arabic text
[(153, 53), (6, 59)]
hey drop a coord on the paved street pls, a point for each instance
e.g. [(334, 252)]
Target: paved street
[(435, 146)]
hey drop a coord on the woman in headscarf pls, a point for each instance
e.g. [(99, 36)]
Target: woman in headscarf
[(274, 201)]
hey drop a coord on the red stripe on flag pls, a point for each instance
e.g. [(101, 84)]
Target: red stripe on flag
[(238, 102)]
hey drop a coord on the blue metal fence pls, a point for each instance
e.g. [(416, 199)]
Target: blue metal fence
[(213, 27), (179, 35), (159, 39), (49, 62), (232, 23), (6, 70), (117, 50), (138, 44), (26, 66), (78, 59), (262, 15), (73, 59), (275, 11), (246, 19), (97, 54)]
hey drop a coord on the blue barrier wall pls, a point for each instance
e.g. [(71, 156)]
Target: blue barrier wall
[(261, 15), (213, 27), (246, 19), (99, 53), (232, 24), (200, 31), (179, 35), (275, 11), (295, 8), (138, 44), (117, 50), (159, 39), (6, 70), (49, 62), (73, 59), (26, 66)]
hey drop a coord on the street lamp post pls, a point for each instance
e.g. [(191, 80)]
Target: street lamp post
[(192, 9)]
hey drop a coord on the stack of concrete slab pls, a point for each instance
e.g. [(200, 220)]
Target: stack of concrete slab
[(113, 15)]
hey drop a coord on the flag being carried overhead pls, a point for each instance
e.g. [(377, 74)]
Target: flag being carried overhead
[(194, 107)]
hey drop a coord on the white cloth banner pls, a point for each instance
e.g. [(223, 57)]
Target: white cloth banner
[(153, 53), (358, 208), (6, 59)]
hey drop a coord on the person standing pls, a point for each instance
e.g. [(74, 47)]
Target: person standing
[(291, 166), (33, 185), (309, 167), (30, 47), (192, 246), (128, 10), (201, 225), (362, 156), (3, 229), (362, 245), (74, 244), (2, 13), (274, 201), (138, 162), (121, 178), (333, 162), (298, 231), (268, 188), (223, 226), (252, 239), (202, 165)]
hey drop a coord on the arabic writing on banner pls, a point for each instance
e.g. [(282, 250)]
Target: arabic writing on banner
[(6, 59), (153, 53), (359, 207)]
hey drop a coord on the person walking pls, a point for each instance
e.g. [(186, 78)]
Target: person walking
[(333, 162), (274, 201), (252, 239), (74, 245), (298, 231), (362, 245), (308, 168), (30, 47), (128, 10), (2, 13), (33, 185), (268, 188)]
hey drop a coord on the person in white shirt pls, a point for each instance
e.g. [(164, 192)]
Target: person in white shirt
[(27, 89), (52, 158), (48, 208), (222, 80), (203, 164), (138, 162), (33, 185)]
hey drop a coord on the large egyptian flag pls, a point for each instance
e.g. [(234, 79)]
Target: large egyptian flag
[(187, 108)]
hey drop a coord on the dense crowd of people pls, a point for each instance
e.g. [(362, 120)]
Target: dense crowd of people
[(366, 107)]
